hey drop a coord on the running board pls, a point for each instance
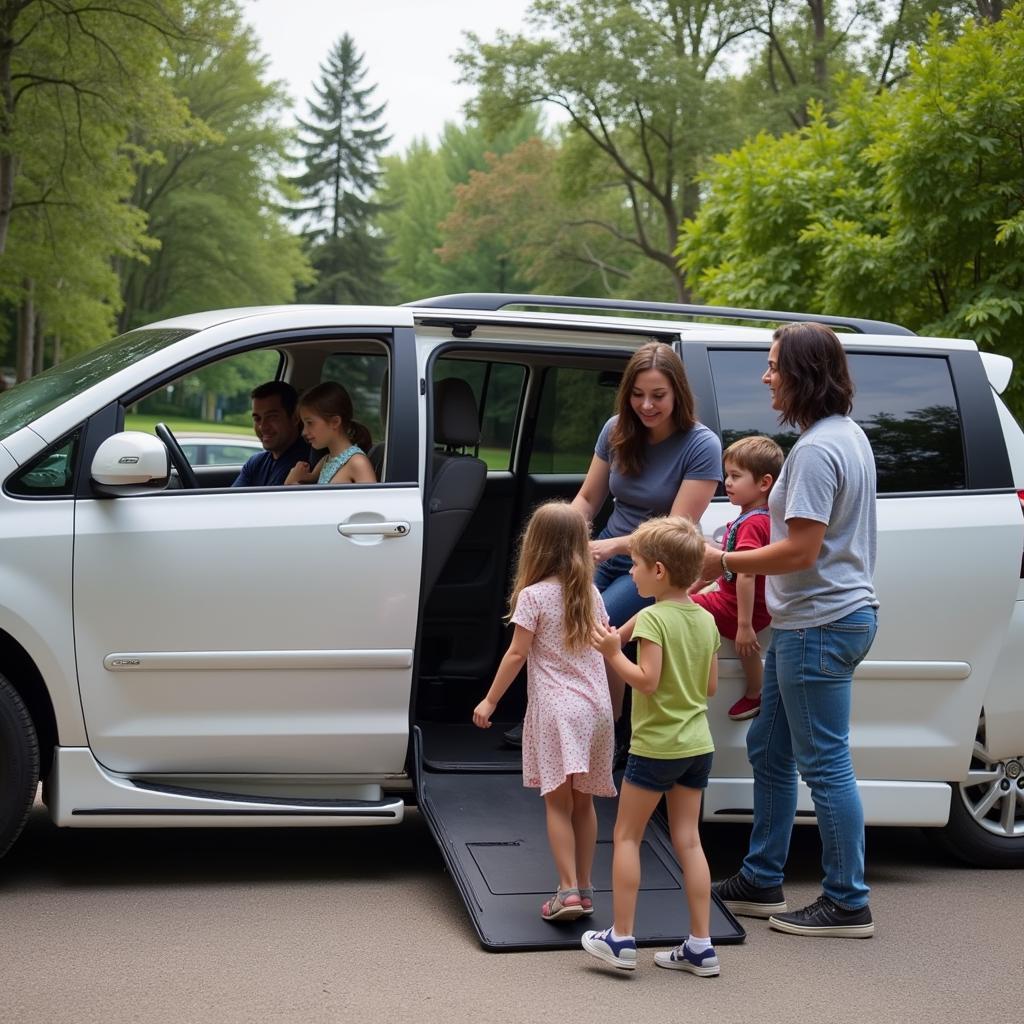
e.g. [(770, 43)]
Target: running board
[(491, 833), (82, 793)]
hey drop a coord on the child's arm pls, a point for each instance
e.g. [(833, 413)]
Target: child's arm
[(643, 676), (746, 638), (514, 660), (713, 676), (626, 630)]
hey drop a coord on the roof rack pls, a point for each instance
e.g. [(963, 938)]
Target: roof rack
[(492, 301)]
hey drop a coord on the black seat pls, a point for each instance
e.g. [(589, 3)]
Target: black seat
[(377, 452), (457, 479)]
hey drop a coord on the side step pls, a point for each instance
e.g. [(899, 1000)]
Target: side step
[(82, 793)]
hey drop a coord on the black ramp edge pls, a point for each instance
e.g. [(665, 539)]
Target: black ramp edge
[(492, 834)]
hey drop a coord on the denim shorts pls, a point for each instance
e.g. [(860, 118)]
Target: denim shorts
[(661, 775)]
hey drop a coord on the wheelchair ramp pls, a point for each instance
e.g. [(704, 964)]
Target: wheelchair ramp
[(492, 834)]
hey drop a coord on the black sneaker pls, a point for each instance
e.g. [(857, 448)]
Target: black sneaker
[(823, 917), (745, 898), (514, 736)]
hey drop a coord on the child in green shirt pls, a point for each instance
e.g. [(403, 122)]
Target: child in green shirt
[(671, 749)]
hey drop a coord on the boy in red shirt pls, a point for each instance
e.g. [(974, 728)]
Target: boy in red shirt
[(736, 600)]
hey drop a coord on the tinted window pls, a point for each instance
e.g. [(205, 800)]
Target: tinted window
[(498, 390), (905, 404), (574, 406), (50, 475), (364, 377)]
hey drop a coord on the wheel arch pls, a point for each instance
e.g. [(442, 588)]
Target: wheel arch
[(21, 672)]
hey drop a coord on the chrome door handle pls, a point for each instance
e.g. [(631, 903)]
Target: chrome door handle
[(373, 529)]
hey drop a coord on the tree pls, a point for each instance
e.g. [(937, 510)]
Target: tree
[(74, 77), (639, 82), (418, 192), (910, 206), (210, 199), (342, 140)]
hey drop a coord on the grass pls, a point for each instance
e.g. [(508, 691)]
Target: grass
[(140, 421)]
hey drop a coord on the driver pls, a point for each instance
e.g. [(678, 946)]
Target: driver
[(276, 423)]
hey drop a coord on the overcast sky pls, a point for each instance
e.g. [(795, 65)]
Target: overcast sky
[(407, 47)]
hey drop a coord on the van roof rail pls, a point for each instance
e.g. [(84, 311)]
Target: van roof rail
[(493, 301)]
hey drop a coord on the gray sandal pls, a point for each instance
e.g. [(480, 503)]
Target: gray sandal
[(565, 905)]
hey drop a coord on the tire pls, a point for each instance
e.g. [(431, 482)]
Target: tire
[(19, 764), (986, 812)]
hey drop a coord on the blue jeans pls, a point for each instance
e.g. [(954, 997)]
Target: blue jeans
[(617, 588), (804, 726)]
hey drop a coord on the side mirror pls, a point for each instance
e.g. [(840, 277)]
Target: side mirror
[(131, 462)]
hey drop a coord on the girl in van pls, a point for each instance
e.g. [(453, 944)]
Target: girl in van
[(326, 415), (568, 736)]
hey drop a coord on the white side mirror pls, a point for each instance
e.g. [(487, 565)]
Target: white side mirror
[(130, 462)]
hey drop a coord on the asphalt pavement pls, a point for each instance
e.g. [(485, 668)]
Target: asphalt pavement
[(318, 925)]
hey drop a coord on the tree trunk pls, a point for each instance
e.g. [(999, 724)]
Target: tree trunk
[(56, 350), (8, 160), (26, 333)]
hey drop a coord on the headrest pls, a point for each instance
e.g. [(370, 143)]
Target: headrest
[(455, 416)]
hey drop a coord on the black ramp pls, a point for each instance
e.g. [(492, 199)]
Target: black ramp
[(492, 833)]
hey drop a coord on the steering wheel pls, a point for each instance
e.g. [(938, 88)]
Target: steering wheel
[(178, 460)]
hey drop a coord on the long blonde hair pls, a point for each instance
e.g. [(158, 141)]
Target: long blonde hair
[(556, 542)]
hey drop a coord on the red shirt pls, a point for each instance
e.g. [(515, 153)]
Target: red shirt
[(753, 532)]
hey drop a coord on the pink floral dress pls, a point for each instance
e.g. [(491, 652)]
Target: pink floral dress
[(568, 727)]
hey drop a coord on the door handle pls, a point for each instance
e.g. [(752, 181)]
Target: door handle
[(373, 529)]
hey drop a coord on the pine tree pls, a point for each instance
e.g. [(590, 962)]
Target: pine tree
[(342, 141)]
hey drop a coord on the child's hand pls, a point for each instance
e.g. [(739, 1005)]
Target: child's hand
[(746, 641), (298, 474), (482, 714), (606, 640)]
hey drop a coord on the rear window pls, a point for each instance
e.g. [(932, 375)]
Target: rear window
[(905, 404)]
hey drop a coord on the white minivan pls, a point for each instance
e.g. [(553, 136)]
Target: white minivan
[(178, 652)]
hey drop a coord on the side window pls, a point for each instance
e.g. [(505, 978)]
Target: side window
[(209, 410), (49, 475), (364, 377), (905, 404), (498, 390), (574, 406)]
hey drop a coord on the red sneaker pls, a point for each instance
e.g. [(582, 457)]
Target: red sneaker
[(744, 708)]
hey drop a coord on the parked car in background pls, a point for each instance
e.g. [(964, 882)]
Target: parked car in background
[(144, 681), (218, 449)]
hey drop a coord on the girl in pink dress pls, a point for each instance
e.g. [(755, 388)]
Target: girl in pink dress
[(568, 736)]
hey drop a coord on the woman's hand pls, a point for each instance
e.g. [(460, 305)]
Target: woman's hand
[(746, 641), (602, 550), (606, 639), (482, 714), (299, 474), (712, 562)]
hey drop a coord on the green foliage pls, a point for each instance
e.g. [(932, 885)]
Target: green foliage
[(417, 194), (341, 142), (908, 206), (639, 84), (79, 76), (210, 198)]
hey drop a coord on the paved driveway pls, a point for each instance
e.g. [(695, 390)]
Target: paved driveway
[(364, 925)]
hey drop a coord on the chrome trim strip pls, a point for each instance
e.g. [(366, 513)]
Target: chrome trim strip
[(223, 661)]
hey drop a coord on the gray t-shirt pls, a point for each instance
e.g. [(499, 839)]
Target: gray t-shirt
[(695, 454), (829, 477)]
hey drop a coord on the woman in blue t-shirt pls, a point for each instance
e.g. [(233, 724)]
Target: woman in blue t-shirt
[(655, 459)]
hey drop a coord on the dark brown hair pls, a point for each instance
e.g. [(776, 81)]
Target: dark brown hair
[(629, 436), (814, 377), (331, 399), (280, 389)]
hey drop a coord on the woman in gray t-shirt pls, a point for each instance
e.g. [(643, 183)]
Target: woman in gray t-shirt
[(824, 611), (655, 459)]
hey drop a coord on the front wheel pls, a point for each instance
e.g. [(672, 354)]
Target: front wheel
[(19, 764), (986, 813)]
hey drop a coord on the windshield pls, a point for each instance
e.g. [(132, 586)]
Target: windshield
[(32, 398)]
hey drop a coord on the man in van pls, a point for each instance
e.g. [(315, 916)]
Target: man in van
[(275, 422)]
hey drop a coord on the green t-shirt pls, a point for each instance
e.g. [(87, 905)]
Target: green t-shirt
[(673, 722)]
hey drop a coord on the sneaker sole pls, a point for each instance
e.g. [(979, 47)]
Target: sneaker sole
[(608, 958), (682, 965), (761, 910), (837, 931)]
